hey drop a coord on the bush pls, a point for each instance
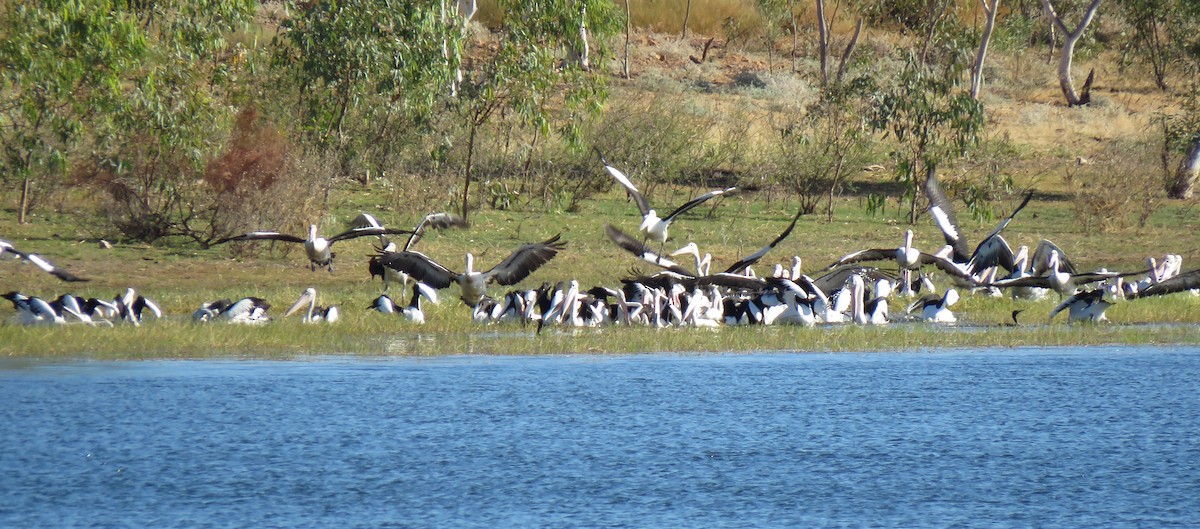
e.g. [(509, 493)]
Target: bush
[(1117, 188)]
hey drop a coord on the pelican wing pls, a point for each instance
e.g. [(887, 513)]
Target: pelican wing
[(262, 236), (942, 209), (1041, 259), (368, 231), (437, 221), (620, 177), (993, 251), (524, 261), (420, 267), (45, 265), (875, 254), (642, 251), (1004, 224), (696, 202), (1027, 281), (754, 257), (946, 266), (365, 220), (1185, 281)]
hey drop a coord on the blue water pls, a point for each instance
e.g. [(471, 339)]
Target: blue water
[(1106, 437)]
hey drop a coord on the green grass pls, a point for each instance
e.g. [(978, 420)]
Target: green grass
[(180, 278)]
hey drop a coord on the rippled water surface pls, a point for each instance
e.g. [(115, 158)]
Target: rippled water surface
[(1106, 437)]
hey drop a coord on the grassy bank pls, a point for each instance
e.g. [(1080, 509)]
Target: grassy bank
[(181, 279)]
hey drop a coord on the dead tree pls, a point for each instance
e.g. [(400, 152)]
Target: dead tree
[(823, 45), (1070, 38)]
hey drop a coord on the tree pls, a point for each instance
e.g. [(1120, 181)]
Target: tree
[(931, 120), (1071, 37), (1162, 31), (151, 146), (62, 65), (823, 44), (365, 71), (526, 81), (990, 8)]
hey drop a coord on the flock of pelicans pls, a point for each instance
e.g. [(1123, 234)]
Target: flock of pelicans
[(854, 289)]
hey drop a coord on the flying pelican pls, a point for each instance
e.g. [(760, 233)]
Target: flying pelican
[(473, 284), (7, 251), (437, 221), (1060, 277), (653, 226), (314, 313), (993, 250), (906, 257), (318, 249)]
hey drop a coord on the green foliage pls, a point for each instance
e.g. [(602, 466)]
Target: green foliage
[(62, 65), (364, 73), (931, 120), (525, 83), (818, 151)]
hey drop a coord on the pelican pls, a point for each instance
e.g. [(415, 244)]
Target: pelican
[(33, 310), (319, 249), (473, 284), (314, 313), (437, 221), (653, 226), (936, 308), (413, 311), (992, 251), (7, 251), (1087, 306), (906, 257), (247, 311), (1060, 276), (131, 306)]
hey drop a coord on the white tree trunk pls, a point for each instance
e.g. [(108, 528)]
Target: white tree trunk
[(627, 24), (984, 40), (1070, 38), (823, 42), (1189, 171)]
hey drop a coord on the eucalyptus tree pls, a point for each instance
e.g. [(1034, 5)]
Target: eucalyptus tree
[(1071, 37), (931, 120), (62, 65), (526, 81), (138, 85), (365, 74)]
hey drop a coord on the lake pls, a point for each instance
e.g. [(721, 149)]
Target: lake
[(1053, 437)]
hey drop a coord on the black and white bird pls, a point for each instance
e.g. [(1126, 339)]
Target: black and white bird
[(907, 259), (7, 251), (653, 226), (132, 306), (436, 221), (313, 313), (1087, 306), (318, 249), (33, 310), (992, 251), (411, 312), (1052, 270), (245, 311), (936, 309), (473, 284)]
